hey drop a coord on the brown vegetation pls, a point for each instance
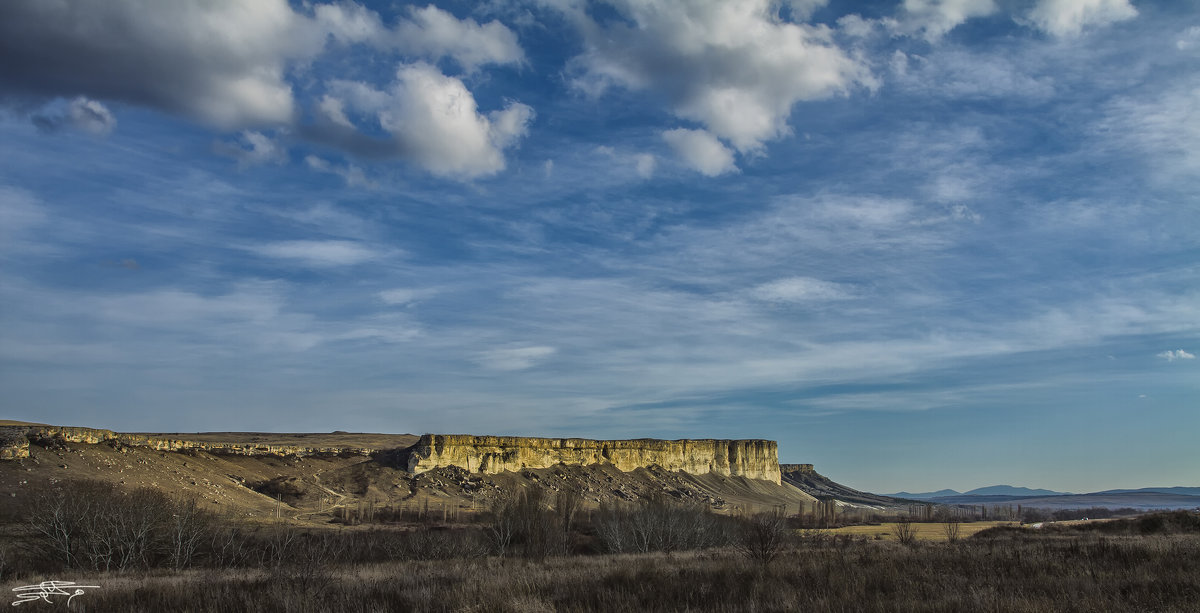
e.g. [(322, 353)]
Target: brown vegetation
[(153, 553)]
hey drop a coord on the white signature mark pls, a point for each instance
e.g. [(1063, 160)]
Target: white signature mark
[(44, 590)]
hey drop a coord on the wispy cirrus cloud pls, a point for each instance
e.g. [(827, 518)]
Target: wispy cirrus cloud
[(318, 253), (515, 358)]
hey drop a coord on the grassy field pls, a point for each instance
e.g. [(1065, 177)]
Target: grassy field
[(924, 531), (1019, 571)]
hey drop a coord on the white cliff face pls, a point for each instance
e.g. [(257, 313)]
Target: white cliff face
[(754, 459)]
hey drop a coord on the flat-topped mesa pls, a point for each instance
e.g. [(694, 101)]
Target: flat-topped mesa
[(753, 459)]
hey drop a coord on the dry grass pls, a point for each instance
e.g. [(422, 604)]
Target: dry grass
[(927, 531), (1018, 571)]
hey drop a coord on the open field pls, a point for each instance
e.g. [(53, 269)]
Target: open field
[(933, 531), (146, 551), (1027, 571)]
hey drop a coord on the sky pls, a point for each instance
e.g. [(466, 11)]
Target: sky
[(922, 244)]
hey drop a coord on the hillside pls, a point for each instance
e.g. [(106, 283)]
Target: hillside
[(307, 476), (804, 477)]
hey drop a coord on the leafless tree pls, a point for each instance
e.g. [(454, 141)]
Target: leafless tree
[(906, 532), (502, 525), (763, 537), (951, 529), (186, 529)]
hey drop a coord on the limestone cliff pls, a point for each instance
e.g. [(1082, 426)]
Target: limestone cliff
[(754, 459), (14, 442)]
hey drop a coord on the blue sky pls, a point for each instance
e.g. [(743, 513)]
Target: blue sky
[(922, 244)]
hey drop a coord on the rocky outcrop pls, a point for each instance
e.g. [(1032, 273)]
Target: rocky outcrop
[(14, 443), (803, 469), (754, 459)]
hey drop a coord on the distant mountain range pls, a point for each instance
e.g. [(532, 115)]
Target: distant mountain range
[(991, 490), (1143, 498)]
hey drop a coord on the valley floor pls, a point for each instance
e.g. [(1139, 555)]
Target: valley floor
[(1009, 570)]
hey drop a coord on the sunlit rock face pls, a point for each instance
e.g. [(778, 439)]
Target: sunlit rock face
[(754, 459), (14, 443)]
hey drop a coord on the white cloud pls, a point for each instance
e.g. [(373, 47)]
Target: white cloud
[(701, 150), (81, 113), (1163, 127), (802, 289), (435, 33), (351, 174), (520, 358), (348, 22), (434, 121), (1188, 39), (1177, 354), (803, 9), (733, 66), (645, 164), (327, 253), (429, 32), (20, 212), (254, 149), (221, 61), (1070, 17), (960, 73), (404, 296), (932, 19)]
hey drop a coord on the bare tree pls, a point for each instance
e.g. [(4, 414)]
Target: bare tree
[(951, 529), (763, 537), (186, 528), (906, 532), (566, 506), (502, 525)]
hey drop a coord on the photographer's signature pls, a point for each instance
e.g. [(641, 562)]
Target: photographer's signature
[(44, 590)]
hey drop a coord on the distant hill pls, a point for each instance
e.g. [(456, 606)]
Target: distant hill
[(925, 495), (994, 493), (1008, 490), (1185, 491)]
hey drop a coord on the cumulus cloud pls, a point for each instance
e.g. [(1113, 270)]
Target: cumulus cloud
[(225, 63), (1070, 17), (429, 32), (254, 149), (318, 253), (932, 19), (734, 66), (1177, 354), (433, 32), (520, 358), (432, 120), (802, 289), (701, 150), (221, 61), (81, 113)]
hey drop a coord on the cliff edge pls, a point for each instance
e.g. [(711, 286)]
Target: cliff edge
[(753, 458)]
